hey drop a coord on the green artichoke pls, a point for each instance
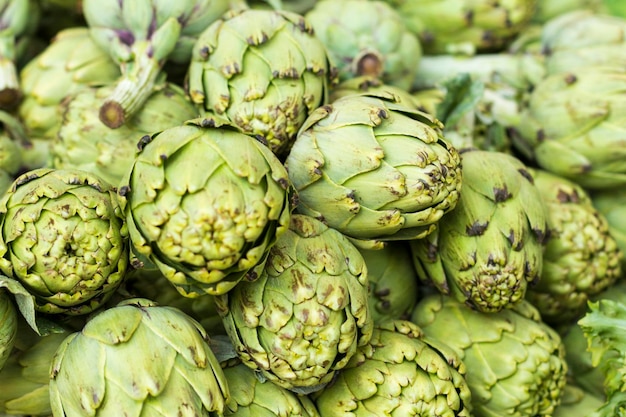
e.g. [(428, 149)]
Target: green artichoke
[(367, 38), (583, 38), (74, 61), (17, 18), (304, 317), (465, 26), (393, 281), (612, 204), (581, 258), (490, 246), (296, 6), (252, 397), (8, 326), (573, 126), (374, 169), (263, 70), (137, 359), (150, 283), (84, 142), (141, 36), (401, 372), (515, 363), (63, 236), (205, 202), (25, 378)]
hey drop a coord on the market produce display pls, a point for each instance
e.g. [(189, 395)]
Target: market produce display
[(313, 208)]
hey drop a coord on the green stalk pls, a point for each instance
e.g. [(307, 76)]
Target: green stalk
[(133, 88)]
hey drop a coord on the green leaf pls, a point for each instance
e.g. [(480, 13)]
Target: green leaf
[(462, 96), (25, 301)]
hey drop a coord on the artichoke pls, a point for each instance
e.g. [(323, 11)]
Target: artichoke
[(84, 142), (546, 10), (205, 202), (8, 326), (581, 258), (252, 397), (263, 70), (490, 246), (141, 36), (583, 38), (572, 126), (73, 60), (515, 363), (465, 26), (24, 380), (393, 282), (375, 44), (401, 372), (374, 169), (63, 236), (137, 359), (303, 318)]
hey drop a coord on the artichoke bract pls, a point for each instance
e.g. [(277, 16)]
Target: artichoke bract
[(393, 281), (251, 397), (74, 61), (374, 169), (487, 250), (401, 372), (64, 238), (581, 258), (263, 70), (84, 142), (572, 126), (302, 320), (465, 26), (515, 364), (205, 202), (612, 204), (8, 326), (141, 36), (136, 359), (376, 44)]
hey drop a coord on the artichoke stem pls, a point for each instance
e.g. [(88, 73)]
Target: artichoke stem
[(131, 91), (10, 93), (369, 64)]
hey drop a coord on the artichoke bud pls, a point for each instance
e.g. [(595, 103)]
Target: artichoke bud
[(510, 351), (581, 258), (400, 371), (138, 356), (377, 44), (205, 203), (301, 321), (491, 246), (64, 239), (374, 169), (263, 70)]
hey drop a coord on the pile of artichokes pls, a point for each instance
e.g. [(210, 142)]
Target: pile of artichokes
[(284, 208)]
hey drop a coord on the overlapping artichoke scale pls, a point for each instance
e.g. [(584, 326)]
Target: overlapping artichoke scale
[(64, 238), (205, 205), (174, 371), (515, 363), (305, 315), (369, 168), (251, 397), (400, 372)]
